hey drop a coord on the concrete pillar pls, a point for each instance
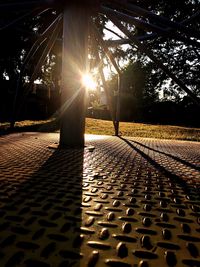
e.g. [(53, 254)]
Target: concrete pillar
[(75, 49)]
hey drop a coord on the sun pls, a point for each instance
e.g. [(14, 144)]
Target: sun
[(88, 82)]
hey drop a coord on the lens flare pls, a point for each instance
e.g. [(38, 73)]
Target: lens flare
[(88, 82)]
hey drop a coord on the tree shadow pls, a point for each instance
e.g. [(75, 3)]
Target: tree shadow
[(172, 176), (41, 221), (189, 164)]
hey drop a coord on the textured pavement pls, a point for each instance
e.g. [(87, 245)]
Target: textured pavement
[(119, 202)]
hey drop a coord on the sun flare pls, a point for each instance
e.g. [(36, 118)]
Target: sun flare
[(89, 82)]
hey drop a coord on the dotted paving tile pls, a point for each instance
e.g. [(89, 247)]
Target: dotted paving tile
[(181, 158), (119, 202)]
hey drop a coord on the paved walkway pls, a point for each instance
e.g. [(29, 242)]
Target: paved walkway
[(120, 202)]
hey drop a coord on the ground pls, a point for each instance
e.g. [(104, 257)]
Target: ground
[(118, 202)]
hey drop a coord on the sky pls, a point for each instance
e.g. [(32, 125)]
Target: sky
[(110, 35)]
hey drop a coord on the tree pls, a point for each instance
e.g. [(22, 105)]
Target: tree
[(181, 57), (175, 47), (135, 94), (19, 31)]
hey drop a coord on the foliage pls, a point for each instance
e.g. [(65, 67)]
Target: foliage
[(16, 42), (136, 90), (142, 80), (180, 57)]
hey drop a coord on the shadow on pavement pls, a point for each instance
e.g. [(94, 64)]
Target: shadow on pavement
[(189, 164), (173, 177), (40, 221)]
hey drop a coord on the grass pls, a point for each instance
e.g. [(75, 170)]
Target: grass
[(103, 127), (94, 126)]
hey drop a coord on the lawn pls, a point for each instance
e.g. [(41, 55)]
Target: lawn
[(94, 126)]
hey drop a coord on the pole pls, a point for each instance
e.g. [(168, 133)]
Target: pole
[(117, 95), (136, 10), (149, 26), (38, 66), (74, 62), (118, 104), (109, 99)]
